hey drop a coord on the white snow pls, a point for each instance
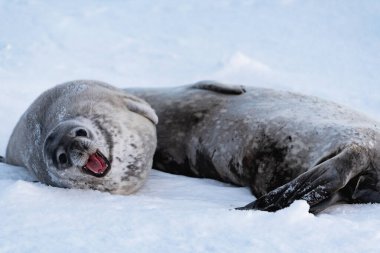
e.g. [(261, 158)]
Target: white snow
[(326, 48)]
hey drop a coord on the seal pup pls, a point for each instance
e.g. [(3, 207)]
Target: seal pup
[(284, 146), (88, 135)]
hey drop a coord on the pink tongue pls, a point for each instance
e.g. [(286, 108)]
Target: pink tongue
[(96, 164)]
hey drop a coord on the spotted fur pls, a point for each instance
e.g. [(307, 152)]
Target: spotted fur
[(119, 125)]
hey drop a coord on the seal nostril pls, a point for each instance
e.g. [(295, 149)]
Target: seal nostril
[(62, 158), (81, 132)]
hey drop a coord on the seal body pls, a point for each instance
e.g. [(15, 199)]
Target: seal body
[(86, 134), (283, 145)]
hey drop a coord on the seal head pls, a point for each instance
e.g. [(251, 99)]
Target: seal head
[(88, 135)]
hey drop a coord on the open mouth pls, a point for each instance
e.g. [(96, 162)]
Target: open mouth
[(97, 165)]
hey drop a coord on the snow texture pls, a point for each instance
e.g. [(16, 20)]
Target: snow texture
[(326, 48)]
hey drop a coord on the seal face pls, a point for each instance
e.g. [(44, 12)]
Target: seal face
[(282, 145), (86, 134)]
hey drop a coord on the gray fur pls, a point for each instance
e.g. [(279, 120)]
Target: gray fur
[(283, 145), (119, 125)]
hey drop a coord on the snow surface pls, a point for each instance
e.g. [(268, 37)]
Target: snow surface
[(326, 48)]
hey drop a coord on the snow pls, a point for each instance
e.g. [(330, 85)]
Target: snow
[(171, 214), (326, 48)]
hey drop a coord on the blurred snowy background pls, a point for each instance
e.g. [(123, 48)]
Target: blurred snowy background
[(330, 49)]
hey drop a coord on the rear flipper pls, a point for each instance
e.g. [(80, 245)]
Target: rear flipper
[(320, 185), (219, 87), (2, 159)]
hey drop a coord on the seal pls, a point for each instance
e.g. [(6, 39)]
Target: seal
[(283, 146), (87, 135)]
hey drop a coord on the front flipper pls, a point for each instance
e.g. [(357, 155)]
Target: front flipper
[(320, 185), (141, 107), (219, 87)]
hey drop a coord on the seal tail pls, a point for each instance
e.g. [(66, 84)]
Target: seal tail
[(2, 159)]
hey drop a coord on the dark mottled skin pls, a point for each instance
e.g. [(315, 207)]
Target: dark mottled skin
[(284, 146)]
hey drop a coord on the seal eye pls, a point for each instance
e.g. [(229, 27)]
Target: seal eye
[(81, 132), (62, 158)]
